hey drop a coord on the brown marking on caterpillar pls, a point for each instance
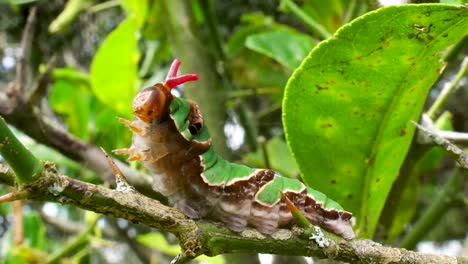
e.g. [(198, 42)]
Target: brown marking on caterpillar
[(195, 118)]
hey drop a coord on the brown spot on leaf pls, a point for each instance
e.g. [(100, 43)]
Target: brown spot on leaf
[(333, 182), (377, 180), (403, 132), (410, 36), (350, 196), (371, 161), (320, 88), (326, 125)]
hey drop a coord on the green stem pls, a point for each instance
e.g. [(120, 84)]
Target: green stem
[(105, 5), (435, 212), (314, 25), (21, 160), (263, 146), (350, 12), (72, 9), (448, 90), (80, 240)]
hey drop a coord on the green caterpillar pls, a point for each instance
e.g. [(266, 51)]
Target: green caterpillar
[(172, 141)]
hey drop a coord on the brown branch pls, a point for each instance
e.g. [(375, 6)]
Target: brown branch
[(207, 238), (23, 68)]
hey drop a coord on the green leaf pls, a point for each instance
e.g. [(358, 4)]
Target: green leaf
[(34, 231), (136, 8), (347, 109), (288, 47), (71, 100), (252, 23), (114, 70), (279, 156)]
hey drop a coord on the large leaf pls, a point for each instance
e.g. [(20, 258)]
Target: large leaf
[(347, 109), (113, 74), (288, 47), (136, 8)]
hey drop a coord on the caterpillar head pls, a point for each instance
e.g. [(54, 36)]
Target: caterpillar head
[(153, 102)]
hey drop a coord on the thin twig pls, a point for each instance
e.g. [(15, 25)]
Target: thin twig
[(74, 244), (448, 90), (459, 154), (13, 196), (23, 67), (104, 5), (39, 91), (454, 136), (18, 232)]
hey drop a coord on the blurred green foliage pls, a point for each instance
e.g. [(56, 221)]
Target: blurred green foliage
[(107, 51)]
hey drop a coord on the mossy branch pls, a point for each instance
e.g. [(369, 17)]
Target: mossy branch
[(199, 237)]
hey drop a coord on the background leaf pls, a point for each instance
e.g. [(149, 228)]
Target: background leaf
[(114, 70), (288, 47), (354, 96)]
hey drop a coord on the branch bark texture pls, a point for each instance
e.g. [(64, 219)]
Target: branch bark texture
[(201, 237)]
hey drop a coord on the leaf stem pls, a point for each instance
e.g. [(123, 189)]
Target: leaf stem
[(20, 159), (314, 25), (434, 213), (350, 12), (104, 5), (448, 90)]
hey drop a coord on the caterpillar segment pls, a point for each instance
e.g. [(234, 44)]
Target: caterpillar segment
[(171, 140)]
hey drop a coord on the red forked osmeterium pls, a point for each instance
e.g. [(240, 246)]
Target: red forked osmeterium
[(172, 80)]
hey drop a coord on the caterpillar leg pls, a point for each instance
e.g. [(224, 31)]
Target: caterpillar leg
[(132, 125), (131, 152)]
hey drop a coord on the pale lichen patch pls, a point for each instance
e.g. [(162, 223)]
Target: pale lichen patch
[(122, 185), (319, 238), (58, 186)]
